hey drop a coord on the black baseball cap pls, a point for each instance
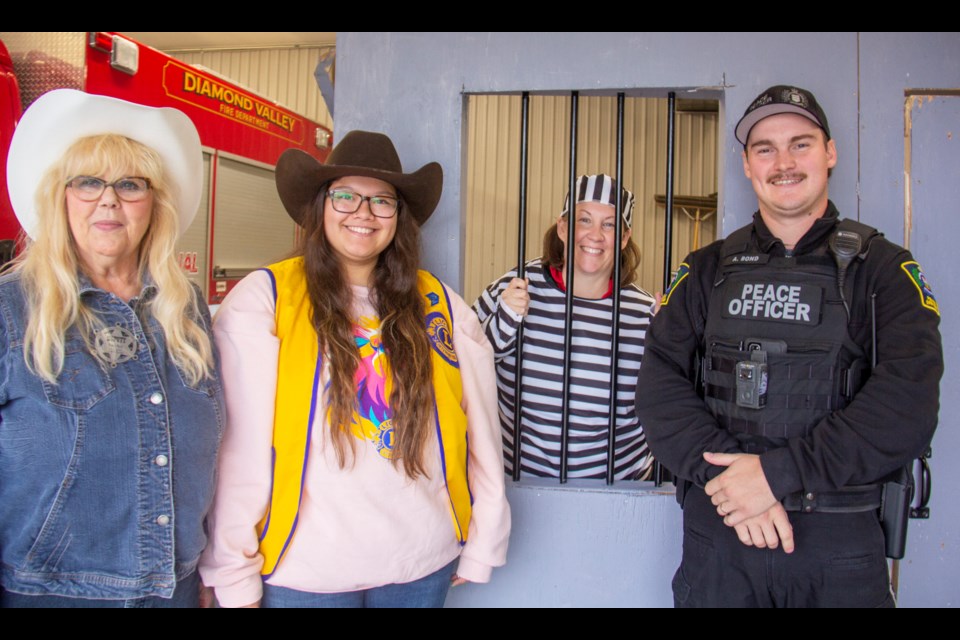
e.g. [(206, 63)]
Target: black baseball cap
[(781, 99)]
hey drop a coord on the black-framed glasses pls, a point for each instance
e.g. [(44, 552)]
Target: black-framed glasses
[(346, 201), (88, 188)]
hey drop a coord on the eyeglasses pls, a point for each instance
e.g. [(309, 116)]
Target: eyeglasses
[(89, 189), (350, 202)]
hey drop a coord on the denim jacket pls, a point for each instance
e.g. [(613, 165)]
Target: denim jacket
[(105, 477)]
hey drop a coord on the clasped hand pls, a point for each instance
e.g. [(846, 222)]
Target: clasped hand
[(744, 500)]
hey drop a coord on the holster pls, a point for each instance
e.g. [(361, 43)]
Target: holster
[(895, 511)]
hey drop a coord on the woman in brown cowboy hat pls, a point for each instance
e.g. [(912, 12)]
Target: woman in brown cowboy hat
[(362, 451)]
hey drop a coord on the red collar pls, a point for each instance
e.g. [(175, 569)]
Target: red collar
[(558, 278)]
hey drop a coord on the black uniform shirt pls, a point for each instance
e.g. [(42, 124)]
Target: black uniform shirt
[(889, 422)]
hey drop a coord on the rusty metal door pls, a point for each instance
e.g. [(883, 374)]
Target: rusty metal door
[(932, 172)]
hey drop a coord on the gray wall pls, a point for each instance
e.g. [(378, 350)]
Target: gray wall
[(411, 86), (584, 545)]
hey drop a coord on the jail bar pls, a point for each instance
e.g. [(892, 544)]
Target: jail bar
[(568, 317), (668, 227), (615, 329), (521, 273), (668, 220)]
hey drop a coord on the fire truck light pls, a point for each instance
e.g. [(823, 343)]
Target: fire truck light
[(323, 139), (100, 40), (125, 55)]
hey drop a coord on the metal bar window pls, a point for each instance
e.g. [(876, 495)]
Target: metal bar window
[(570, 273), (510, 199)]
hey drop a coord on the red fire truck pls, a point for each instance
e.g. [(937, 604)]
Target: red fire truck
[(241, 224)]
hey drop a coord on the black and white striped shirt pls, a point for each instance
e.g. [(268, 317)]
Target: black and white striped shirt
[(542, 387)]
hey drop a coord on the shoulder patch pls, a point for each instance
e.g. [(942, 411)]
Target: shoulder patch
[(682, 272), (912, 269), (441, 337)]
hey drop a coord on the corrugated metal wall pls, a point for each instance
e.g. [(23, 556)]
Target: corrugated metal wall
[(492, 183), (283, 75), (251, 228)]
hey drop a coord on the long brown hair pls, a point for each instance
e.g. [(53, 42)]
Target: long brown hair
[(397, 300), (555, 255)]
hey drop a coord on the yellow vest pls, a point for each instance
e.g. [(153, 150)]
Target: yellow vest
[(299, 372)]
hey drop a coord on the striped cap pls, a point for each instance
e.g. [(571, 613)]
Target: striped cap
[(603, 189)]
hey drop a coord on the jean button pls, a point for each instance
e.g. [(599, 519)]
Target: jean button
[(156, 398), (161, 460), (163, 520)]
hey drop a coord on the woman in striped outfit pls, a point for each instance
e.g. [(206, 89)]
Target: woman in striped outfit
[(538, 302)]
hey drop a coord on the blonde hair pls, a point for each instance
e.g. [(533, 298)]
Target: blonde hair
[(49, 266)]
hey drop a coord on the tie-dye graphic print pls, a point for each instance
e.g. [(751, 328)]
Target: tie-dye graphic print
[(373, 419)]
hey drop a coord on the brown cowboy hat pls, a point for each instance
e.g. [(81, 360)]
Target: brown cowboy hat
[(360, 153)]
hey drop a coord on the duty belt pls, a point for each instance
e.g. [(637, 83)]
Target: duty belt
[(847, 500)]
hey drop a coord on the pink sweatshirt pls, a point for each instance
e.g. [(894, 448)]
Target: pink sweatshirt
[(362, 526)]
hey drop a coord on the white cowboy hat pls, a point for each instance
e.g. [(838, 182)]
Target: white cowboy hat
[(61, 117)]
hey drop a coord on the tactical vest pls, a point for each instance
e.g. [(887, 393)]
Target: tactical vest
[(778, 356)]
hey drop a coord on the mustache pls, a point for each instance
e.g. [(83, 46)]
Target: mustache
[(786, 176)]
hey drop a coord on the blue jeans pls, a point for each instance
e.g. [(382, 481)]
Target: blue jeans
[(185, 596), (428, 592)]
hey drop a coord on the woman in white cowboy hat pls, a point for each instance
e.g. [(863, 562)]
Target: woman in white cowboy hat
[(539, 303), (110, 404), (362, 452)]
